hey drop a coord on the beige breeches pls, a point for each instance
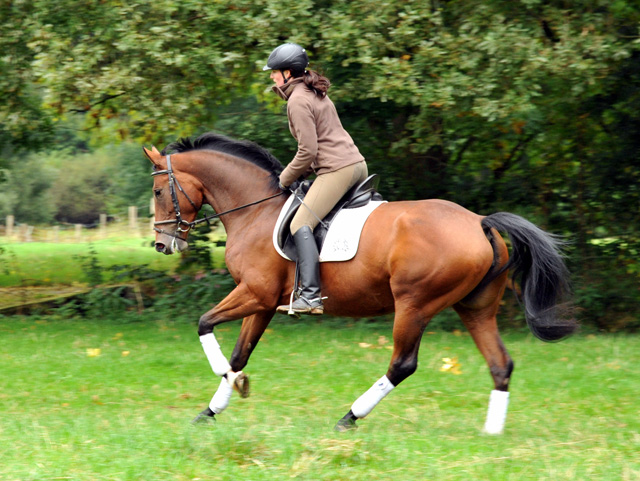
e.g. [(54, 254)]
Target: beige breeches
[(325, 192)]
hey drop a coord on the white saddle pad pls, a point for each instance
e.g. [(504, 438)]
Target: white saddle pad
[(341, 242)]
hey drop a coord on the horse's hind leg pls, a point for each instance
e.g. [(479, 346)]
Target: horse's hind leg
[(408, 327), (483, 328)]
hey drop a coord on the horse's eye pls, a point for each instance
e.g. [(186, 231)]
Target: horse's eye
[(157, 192)]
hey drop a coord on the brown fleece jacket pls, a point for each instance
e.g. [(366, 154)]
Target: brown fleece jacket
[(323, 144)]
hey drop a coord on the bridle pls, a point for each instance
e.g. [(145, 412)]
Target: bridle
[(184, 226)]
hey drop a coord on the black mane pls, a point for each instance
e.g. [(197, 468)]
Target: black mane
[(243, 149)]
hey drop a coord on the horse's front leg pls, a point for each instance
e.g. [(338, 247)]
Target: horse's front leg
[(252, 329), (250, 333), (240, 303)]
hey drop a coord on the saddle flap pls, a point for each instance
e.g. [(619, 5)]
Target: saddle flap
[(293, 204), (358, 196)]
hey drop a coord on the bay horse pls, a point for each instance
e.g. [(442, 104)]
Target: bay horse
[(415, 259)]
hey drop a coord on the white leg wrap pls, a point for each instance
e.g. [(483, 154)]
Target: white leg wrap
[(218, 362), (497, 414), (365, 403), (220, 399)]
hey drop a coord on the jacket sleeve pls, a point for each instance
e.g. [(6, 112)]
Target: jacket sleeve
[(303, 127)]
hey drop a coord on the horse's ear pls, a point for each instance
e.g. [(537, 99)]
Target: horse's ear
[(153, 155)]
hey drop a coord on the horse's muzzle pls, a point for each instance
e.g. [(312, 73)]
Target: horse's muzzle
[(168, 245)]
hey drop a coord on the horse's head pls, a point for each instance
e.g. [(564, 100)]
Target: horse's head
[(177, 202)]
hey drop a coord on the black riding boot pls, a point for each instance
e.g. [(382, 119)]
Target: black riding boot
[(309, 300)]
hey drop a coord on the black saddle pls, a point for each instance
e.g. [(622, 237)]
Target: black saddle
[(359, 195)]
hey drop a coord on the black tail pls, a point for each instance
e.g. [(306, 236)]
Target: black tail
[(539, 267)]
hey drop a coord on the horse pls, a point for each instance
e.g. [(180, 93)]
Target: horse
[(415, 258)]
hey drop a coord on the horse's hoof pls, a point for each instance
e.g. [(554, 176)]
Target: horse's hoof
[(240, 383), (205, 417), (345, 425)]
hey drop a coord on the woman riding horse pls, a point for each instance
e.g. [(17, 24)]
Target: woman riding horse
[(324, 147)]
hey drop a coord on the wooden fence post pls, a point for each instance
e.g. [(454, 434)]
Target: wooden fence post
[(25, 232), (78, 232), (103, 226), (133, 219), (10, 223)]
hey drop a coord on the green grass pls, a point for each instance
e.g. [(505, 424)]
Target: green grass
[(124, 415), (45, 263), (42, 263)]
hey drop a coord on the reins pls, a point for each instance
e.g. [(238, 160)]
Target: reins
[(173, 183)]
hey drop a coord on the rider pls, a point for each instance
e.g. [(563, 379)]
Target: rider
[(324, 148)]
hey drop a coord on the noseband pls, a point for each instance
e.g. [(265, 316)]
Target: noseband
[(184, 226)]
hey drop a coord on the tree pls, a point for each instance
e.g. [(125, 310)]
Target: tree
[(24, 123), (526, 105), (78, 191), (26, 193)]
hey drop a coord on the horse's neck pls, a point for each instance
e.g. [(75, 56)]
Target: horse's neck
[(229, 184)]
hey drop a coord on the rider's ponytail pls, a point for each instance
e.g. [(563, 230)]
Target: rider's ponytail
[(317, 83)]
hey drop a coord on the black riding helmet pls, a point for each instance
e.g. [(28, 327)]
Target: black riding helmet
[(288, 56)]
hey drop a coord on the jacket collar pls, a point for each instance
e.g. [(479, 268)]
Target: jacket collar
[(285, 91)]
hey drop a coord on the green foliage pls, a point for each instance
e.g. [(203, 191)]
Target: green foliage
[(528, 106), (198, 256), (262, 123), (78, 192), (67, 185), (203, 290), (4, 267), (138, 286), (128, 179), (26, 192), (99, 302), (24, 122), (91, 267), (609, 301)]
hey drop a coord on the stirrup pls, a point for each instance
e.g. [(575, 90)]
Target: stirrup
[(287, 308), (302, 306)]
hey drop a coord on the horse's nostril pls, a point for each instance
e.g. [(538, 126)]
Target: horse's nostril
[(160, 247)]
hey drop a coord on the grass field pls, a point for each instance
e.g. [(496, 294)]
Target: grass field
[(91, 400), (42, 263)]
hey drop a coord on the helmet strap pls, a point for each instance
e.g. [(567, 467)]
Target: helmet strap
[(283, 77)]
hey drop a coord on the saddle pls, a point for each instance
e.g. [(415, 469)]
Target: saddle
[(358, 196)]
